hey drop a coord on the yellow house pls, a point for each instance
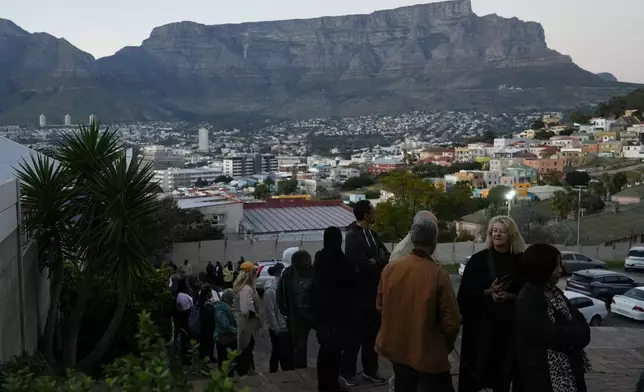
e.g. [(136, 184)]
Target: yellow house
[(605, 135), (528, 134), (612, 146)]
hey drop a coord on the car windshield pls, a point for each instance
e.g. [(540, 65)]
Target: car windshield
[(636, 253), (635, 294), (581, 278)]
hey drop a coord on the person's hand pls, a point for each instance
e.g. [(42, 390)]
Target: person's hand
[(496, 287)]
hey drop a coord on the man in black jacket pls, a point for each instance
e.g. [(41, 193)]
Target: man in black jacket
[(368, 254)]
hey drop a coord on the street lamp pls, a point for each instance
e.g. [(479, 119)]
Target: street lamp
[(509, 197)]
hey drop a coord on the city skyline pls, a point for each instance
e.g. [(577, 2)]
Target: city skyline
[(597, 40)]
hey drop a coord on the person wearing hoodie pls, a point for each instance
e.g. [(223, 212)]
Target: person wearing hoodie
[(368, 254), (293, 296), (281, 340), (332, 291), (225, 335)]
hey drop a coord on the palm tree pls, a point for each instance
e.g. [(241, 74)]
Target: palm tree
[(95, 211)]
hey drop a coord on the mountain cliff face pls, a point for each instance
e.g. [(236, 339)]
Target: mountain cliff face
[(438, 55)]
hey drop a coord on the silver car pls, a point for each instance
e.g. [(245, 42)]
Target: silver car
[(262, 273), (573, 261)]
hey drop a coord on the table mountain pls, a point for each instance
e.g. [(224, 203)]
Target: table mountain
[(430, 56)]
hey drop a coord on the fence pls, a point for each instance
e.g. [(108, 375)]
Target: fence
[(24, 290), (200, 253)]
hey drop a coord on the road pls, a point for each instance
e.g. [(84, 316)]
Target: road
[(263, 346), (597, 172)]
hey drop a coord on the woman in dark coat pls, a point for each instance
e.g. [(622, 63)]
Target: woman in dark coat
[(550, 333), (490, 284)]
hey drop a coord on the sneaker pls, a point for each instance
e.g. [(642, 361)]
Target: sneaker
[(374, 378), (348, 382)]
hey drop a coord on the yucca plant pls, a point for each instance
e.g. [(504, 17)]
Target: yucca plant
[(93, 209)]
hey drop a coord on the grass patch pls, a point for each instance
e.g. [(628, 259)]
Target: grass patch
[(451, 268), (615, 265)]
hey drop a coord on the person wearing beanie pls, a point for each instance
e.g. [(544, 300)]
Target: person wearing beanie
[(281, 340)]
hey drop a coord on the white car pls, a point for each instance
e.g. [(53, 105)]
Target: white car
[(461, 268), (635, 259), (630, 304), (593, 309)]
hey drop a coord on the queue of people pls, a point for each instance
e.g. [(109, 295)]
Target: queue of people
[(519, 332)]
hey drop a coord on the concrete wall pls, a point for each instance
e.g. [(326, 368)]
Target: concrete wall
[(199, 253), (24, 290)]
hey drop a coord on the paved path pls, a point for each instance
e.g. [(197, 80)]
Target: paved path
[(617, 356)]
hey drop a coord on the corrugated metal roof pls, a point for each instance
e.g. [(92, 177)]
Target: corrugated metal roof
[(291, 219)]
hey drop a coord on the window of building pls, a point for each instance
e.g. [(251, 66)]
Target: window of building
[(218, 219)]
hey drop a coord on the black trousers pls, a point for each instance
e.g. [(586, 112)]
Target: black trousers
[(207, 348), (331, 341), (300, 331), (245, 361), (409, 379), (362, 337), (222, 355), (281, 351)]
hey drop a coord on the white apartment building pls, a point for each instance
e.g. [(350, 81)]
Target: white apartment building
[(220, 211), (248, 165), (174, 178), (492, 178), (636, 152), (203, 140), (162, 157), (344, 173), (42, 120), (68, 120)]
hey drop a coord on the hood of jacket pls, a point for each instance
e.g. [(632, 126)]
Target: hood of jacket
[(353, 226), (288, 255)]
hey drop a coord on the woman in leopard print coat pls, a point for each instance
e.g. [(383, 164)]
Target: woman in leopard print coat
[(551, 334)]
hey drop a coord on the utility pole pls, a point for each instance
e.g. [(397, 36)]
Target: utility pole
[(579, 221)]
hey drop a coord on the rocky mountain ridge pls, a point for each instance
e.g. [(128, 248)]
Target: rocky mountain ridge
[(437, 55)]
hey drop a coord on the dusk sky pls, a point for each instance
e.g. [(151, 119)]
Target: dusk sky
[(600, 35)]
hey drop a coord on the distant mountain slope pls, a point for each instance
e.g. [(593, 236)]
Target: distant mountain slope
[(438, 55), (607, 76)]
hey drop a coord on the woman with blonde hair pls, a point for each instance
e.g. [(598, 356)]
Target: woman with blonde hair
[(490, 284), (249, 322)]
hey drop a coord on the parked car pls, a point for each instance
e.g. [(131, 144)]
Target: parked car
[(630, 304), (634, 259), (262, 273), (461, 268), (593, 309), (600, 283), (573, 261)]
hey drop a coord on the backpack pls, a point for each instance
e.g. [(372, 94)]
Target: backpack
[(194, 322)]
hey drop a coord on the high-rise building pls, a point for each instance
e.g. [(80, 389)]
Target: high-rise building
[(239, 165), (162, 158), (92, 118), (43, 120), (266, 163), (173, 178), (68, 120), (203, 140)]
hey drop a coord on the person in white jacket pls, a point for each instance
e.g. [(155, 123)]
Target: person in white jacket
[(404, 247), (281, 340), (248, 317)]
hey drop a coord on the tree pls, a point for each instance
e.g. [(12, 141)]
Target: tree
[(287, 187), (543, 135), (224, 178), (201, 183), (358, 182), (617, 182), (393, 220), (577, 178), (105, 207), (261, 191), (567, 132), (579, 117), (553, 177), (497, 195), (538, 124), (562, 204)]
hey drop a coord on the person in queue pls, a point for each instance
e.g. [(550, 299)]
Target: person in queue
[(551, 333), (225, 335), (228, 275), (366, 251), (405, 246), (333, 307), (488, 290), (293, 299), (420, 316), (247, 315), (281, 339)]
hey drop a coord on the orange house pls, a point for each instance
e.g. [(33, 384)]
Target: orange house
[(545, 165)]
